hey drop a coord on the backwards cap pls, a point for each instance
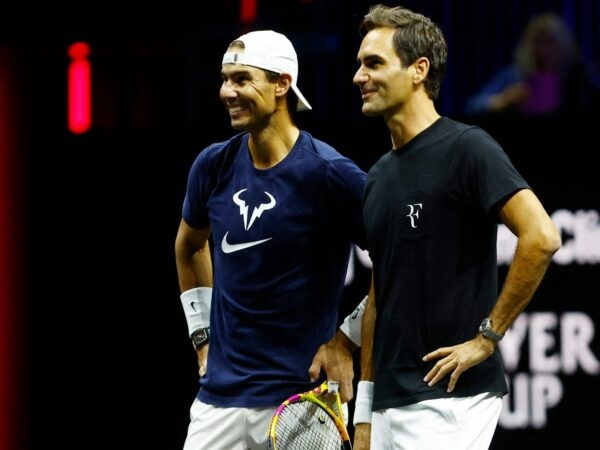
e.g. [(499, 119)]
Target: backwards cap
[(271, 51)]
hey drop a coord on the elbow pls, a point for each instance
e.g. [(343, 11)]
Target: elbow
[(550, 241), (541, 242), (556, 244)]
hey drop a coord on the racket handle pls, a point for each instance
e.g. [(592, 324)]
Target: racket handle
[(333, 387)]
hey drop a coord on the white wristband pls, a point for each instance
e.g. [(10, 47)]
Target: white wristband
[(196, 306), (364, 402), (353, 322)]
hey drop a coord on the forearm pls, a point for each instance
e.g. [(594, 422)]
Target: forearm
[(537, 241), (194, 268), (341, 340), (525, 274), (193, 258), (364, 395), (367, 335)]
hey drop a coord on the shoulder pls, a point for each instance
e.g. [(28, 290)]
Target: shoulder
[(317, 147), (470, 147), (325, 152), (216, 149), (217, 152), (469, 137), (335, 168)]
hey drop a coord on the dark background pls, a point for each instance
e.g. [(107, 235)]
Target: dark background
[(103, 360)]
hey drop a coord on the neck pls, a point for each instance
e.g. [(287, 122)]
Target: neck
[(272, 144), (410, 120)]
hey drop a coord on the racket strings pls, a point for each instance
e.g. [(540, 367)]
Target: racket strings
[(306, 426)]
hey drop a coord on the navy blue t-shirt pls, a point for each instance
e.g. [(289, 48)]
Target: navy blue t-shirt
[(282, 237)]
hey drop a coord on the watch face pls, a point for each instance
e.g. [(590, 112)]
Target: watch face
[(200, 337), (486, 330), (485, 324)]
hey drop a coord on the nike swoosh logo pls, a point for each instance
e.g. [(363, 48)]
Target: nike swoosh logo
[(230, 248)]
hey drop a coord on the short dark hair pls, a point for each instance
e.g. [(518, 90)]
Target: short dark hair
[(415, 36)]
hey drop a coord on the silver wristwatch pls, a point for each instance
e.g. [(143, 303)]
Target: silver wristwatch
[(200, 337), (486, 330)]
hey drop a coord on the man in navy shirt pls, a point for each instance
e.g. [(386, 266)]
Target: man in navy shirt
[(282, 209)]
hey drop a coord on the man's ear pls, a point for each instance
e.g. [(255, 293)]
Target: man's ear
[(421, 69), (284, 83)]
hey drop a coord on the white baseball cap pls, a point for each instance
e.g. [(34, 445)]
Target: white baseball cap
[(271, 51)]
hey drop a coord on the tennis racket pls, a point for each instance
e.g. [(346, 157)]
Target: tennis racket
[(313, 420)]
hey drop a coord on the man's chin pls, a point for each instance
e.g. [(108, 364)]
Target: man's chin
[(237, 126), (369, 112)]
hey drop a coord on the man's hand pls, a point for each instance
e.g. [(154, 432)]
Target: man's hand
[(457, 359), (202, 359), (335, 358), (362, 436)]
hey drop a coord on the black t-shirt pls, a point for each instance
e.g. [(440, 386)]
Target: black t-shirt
[(430, 211)]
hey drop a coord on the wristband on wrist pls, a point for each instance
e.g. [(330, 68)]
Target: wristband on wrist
[(364, 402), (351, 326), (196, 306)]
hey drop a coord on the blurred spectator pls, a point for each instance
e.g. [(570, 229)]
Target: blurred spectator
[(547, 75)]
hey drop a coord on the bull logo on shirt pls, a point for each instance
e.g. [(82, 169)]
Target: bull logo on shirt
[(256, 211)]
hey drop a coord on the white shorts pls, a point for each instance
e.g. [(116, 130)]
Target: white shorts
[(460, 423), (215, 428)]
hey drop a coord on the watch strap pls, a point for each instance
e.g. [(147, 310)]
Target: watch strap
[(487, 331)]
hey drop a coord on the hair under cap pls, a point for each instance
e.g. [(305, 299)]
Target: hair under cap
[(271, 51)]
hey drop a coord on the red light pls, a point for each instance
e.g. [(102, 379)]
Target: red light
[(79, 88), (247, 11)]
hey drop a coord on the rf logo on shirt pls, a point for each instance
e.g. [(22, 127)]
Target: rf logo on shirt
[(413, 215)]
